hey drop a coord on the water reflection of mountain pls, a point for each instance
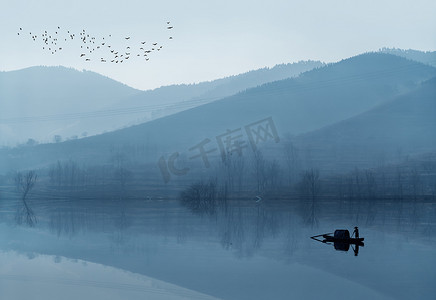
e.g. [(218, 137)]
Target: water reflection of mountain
[(338, 158), (241, 226), (158, 238)]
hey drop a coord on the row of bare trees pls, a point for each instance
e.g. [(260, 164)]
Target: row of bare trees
[(254, 172), (69, 174), (390, 182)]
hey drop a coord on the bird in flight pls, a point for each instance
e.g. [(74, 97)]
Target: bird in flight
[(56, 40)]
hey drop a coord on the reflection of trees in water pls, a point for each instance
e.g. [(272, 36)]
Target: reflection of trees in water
[(68, 218), (310, 190), (290, 235), (429, 219), (232, 228), (121, 222), (64, 222), (244, 228), (24, 184), (200, 197)]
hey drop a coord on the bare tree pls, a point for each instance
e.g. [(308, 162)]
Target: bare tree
[(371, 187), (273, 173), (291, 160), (121, 173), (415, 180), (399, 183), (383, 183), (371, 184), (24, 184), (358, 182), (232, 169), (259, 170), (358, 192)]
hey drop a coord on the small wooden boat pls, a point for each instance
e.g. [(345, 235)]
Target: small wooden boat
[(340, 236), (330, 238)]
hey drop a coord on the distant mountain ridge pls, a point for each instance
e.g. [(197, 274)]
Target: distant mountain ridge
[(425, 57), (37, 92), (316, 99), (67, 102), (54, 88), (72, 103)]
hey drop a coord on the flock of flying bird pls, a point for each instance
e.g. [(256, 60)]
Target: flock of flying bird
[(91, 45)]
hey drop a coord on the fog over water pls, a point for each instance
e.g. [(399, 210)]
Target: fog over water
[(246, 251), (227, 150)]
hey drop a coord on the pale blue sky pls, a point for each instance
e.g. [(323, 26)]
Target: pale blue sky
[(213, 39)]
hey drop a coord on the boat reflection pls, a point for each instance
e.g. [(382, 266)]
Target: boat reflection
[(341, 240)]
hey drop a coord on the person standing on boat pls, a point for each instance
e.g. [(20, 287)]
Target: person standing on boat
[(356, 232)]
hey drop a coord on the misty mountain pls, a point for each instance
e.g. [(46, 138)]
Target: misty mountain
[(388, 133), (153, 104), (427, 57), (50, 97), (316, 99), (228, 85), (68, 102)]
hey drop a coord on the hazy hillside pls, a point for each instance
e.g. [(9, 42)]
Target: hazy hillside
[(223, 87), (68, 102), (315, 99), (163, 101), (38, 91), (40, 102), (388, 133), (428, 57)]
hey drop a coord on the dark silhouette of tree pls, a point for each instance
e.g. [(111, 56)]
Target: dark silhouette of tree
[(232, 171), (121, 173), (259, 170), (292, 161), (200, 197)]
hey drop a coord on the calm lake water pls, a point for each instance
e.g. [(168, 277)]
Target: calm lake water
[(133, 249)]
